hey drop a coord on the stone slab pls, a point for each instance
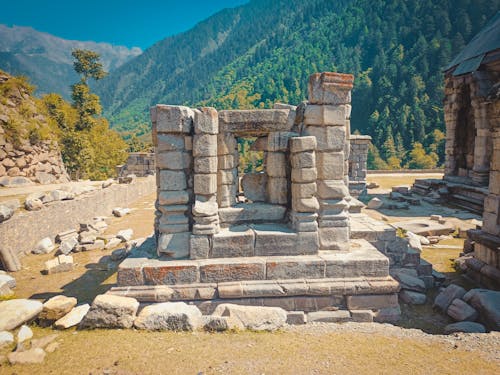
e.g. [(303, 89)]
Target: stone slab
[(253, 122), (253, 212)]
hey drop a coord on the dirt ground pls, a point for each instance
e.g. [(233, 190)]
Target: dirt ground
[(313, 349)]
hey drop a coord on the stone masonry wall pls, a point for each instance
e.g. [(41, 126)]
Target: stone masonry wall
[(358, 163), (139, 163)]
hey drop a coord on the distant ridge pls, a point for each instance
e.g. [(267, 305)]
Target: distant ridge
[(46, 59)]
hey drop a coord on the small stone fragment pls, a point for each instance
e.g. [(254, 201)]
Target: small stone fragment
[(31, 356), (375, 203), (120, 212), (6, 338), (25, 333), (125, 235), (73, 318), (467, 327), (44, 246)]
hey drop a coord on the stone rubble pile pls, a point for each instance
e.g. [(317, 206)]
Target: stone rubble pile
[(475, 311)]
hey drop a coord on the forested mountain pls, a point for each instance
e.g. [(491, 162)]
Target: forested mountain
[(46, 59), (263, 52)]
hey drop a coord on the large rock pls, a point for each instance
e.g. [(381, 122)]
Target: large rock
[(174, 316), (412, 298), (467, 327), (63, 263), (32, 356), (5, 278), (252, 317), (446, 297), (487, 303), (375, 203), (44, 246), (460, 311), (73, 318), (410, 282), (68, 245), (15, 312), (6, 338), (108, 311), (55, 308), (6, 212)]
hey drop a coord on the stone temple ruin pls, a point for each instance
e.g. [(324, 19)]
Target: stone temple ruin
[(290, 245)]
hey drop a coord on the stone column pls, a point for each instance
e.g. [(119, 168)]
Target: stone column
[(227, 172), (451, 107), (358, 164), (172, 126), (276, 167), (326, 118)]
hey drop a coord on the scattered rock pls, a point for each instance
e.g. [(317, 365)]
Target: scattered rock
[(44, 246), (68, 245), (5, 278), (120, 212), (487, 303), (6, 338), (215, 323), (43, 342), (467, 327), (25, 333), (125, 235), (372, 185), (33, 204), (252, 317), (6, 212), (15, 312), (414, 241), (375, 204), (460, 311), (36, 355), (73, 318), (113, 242), (338, 316), (55, 308), (410, 282), (97, 245), (296, 317), (446, 297), (63, 263), (174, 316), (108, 311), (412, 298), (119, 254)]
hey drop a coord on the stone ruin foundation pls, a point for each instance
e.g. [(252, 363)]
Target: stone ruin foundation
[(139, 163), (289, 243)]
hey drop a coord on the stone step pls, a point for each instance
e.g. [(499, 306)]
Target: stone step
[(296, 294), (362, 260), (260, 240), (259, 212)]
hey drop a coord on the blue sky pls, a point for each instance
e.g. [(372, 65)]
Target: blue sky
[(130, 23)]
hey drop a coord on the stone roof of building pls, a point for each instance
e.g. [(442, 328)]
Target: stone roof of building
[(474, 53)]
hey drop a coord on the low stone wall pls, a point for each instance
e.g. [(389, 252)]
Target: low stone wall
[(20, 234)]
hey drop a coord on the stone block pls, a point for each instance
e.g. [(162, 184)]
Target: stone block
[(232, 269), (205, 164), (206, 121), (330, 165), (205, 207), (175, 245), (236, 241), (173, 160), (334, 238), (170, 273), (255, 186), (277, 190), (304, 175), (173, 219), (332, 189), (108, 311), (274, 240), (252, 212), (362, 316), (173, 119), (305, 190), (253, 122), (226, 145), (303, 160), (276, 165), (174, 197), (227, 177), (305, 204), (227, 161), (278, 141), (172, 180), (460, 311), (338, 316), (412, 298), (173, 316), (330, 88), (173, 209), (226, 195), (206, 229), (188, 142), (325, 115), (307, 242), (328, 138), (205, 184), (372, 301), (301, 144), (298, 267), (63, 263), (204, 145), (296, 317), (446, 297)]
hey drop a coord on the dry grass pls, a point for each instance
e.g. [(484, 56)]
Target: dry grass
[(302, 352), (387, 181)]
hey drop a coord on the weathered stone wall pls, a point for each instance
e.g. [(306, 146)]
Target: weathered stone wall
[(21, 233), (26, 163), (358, 163), (140, 164)]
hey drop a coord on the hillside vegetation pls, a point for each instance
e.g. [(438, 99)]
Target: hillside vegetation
[(263, 52)]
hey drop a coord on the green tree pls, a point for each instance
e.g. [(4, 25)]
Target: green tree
[(419, 159)]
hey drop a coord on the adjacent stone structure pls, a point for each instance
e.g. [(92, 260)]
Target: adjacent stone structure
[(472, 115), (289, 244), (358, 164), (140, 164)]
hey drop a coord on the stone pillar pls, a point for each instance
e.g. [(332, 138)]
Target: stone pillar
[(326, 118), (172, 128), (358, 164), (227, 171), (276, 167), (305, 205), (451, 107)]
